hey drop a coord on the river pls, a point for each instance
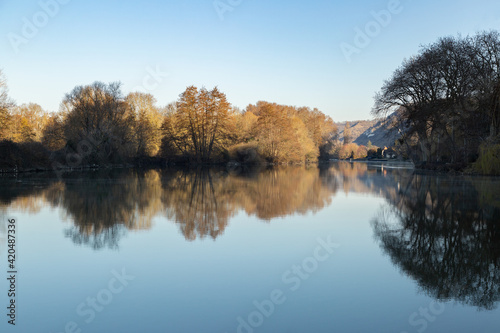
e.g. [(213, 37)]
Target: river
[(343, 247)]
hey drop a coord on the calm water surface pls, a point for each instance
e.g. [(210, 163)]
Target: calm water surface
[(340, 248)]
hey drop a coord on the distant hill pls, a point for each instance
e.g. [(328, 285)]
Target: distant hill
[(378, 131)]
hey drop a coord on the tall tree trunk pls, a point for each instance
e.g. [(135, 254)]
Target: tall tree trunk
[(495, 112)]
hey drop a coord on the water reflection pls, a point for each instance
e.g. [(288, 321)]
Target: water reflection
[(199, 201), (445, 234), (102, 205)]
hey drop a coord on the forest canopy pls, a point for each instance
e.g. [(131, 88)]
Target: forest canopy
[(97, 125)]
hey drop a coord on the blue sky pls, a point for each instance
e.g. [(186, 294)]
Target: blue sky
[(287, 52)]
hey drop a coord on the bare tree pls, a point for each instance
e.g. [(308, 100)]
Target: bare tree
[(5, 105), (441, 96), (97, 115), (487, 64)]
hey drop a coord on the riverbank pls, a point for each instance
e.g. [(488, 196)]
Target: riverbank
[(33, 157), (385, 162)]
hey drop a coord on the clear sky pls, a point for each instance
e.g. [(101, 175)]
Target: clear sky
[(287, 52)]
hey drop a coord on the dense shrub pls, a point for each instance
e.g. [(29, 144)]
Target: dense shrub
[(352, 150), (488, 162), (23, 156), (245, 153)]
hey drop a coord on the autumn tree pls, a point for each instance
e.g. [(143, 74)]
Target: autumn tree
[(148, 121), (201, 123), (361, 152), (321, 129), (28, 123), (246, 122), (97, 122), (5, 104), (290, 134), (274, 132), (303, 146), (53, 137), (347, 151)]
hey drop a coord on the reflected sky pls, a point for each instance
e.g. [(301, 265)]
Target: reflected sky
[(204, 246)]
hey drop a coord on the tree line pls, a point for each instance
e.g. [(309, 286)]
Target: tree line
[(447, 102), (97, 125)]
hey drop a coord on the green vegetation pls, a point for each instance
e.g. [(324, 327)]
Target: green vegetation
[(488, 162)]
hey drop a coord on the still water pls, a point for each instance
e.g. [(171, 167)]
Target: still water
[(340, 248)]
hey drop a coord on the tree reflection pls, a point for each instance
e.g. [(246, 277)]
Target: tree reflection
[(199, 201), (443, 232), (281, 192), (203, 201), (103, 205), (440, 232)]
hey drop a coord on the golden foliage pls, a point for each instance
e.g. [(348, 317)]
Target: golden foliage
[(289, 134), (201, 124), (352, 150), (148, 121), (53, 134), (28, 123), (102, 127)]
